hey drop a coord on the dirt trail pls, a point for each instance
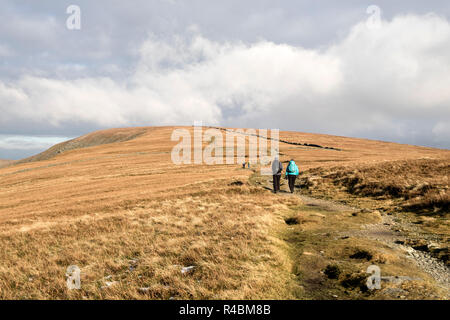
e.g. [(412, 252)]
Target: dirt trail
[(392, 232), (325, 204)]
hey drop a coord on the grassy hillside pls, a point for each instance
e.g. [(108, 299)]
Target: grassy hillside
[(420, 185), (4, 163), (113, 203)]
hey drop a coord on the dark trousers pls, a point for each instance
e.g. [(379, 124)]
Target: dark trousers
[(291, 180), (276, 182)]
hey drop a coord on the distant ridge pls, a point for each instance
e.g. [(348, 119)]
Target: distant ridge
[(313, 145), (5, 163), (92, 139)]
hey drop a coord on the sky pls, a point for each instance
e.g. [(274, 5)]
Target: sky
[(376, 69)]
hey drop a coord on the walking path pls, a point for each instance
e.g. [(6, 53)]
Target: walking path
[(386, 231)]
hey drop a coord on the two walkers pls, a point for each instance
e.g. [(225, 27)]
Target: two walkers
[(291, 174)]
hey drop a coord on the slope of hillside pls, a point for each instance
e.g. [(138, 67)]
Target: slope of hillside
[(89, 140), (132, 220), (421, 184), (4, 163)]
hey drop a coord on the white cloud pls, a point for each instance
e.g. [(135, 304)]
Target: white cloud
[(442, 130), (5, 51), (390, 82)]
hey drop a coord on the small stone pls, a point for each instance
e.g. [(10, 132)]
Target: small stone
[(144, 289), (187, 269), (109, 284)]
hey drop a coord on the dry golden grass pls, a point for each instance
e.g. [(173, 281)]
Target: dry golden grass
[(4, 163), (224, 233), (123, 212), (422, 184), (88, 140)]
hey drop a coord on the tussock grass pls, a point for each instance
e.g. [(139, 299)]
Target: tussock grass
[(225, 236), (422, 184)]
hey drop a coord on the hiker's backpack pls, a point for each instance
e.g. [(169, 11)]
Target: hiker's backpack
[(291, 167)]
